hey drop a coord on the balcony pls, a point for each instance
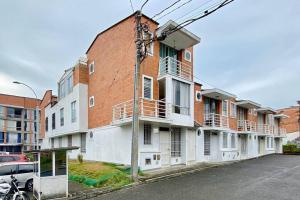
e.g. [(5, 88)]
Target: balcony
[(246, 126), (279, 132), (149, 110), (216, 121), (175, 68), (265, 129)]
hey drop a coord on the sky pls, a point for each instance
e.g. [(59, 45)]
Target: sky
[(250, 48)]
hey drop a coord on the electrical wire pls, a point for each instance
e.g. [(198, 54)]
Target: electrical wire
[(174, 9), (131, 5), (165, 9), (144, 4)]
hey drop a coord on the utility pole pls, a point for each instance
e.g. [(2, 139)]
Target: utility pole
[(135, 121)]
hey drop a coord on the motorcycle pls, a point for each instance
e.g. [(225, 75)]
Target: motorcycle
[(11, 191)]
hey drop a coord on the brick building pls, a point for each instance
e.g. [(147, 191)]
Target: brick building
[(291, 124), (18, 123), (180, 122)]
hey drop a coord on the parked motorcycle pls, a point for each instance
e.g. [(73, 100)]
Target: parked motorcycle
[(11, 191)]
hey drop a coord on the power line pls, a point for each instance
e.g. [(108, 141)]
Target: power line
[(165, 9), (187, 22), (131, 5), (174, 9), (192, 11), (144, 4)]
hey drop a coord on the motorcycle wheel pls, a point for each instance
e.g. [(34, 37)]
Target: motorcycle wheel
[(22, 197)]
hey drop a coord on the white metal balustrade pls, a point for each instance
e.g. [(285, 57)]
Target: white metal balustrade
[(265, 129), (216, 120), (246, 126), (172, 66), (279, 132), (156, 109)]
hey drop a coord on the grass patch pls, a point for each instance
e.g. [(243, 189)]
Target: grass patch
[(98, 174)]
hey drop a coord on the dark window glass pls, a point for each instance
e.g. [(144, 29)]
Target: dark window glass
[(46, 123), (60, 163), (53, 121), (46, 164), (25, 169), (8, 170), (147, 133)]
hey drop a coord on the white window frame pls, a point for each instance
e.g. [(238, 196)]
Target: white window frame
[(185, 58), (92, 63), (227, 143), (73, 114), (148, 142), (233, 135), (233, 110), (151, 44), (223, 114), (151, 78), (91, 105)]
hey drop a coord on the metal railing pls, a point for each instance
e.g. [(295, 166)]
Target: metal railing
[(172, 66), (158, 109), (246, 126), (266, 129), (279, 131), (216, 120)]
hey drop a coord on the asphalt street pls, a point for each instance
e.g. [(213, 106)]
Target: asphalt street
[(274, 177)]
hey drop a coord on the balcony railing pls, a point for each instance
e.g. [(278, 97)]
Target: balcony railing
[(216, 120), (174, 67), (279, 132), (246, 126), (156, 109), (265, 129)]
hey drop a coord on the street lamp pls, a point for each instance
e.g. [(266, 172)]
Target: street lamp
[(299, 117), (37, 114)]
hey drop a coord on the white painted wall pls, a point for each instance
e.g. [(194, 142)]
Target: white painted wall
[(290, 137), (80, 95)]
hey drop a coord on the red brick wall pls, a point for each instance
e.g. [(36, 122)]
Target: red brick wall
[(290, 124), (198, 106)]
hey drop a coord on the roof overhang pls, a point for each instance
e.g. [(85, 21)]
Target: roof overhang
[(266, 110), (54, 149), (281, 116), (217, 94), (247, 104), (180, 39)]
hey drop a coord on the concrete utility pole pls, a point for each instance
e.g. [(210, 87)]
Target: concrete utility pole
[(37, 138), (135, 121)]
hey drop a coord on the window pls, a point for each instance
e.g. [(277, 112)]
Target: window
[(92, 67), (62, 118), (70, 83), (181, 98), (7, 137), (62, 92), (53, 121), (225, 140), (270, 142), (1, 124), (8, 169), (147, 133), (83, 142), (60, 163), (25, 169), (46, 164), (225, 108), (25, 114), (198, 96), (147, 87), (149, 44), (147, 161), (69, 140), (233, 110), (187, 55), (92, 101), (46, 124), (1, 137), (233, 143), (73, 111)]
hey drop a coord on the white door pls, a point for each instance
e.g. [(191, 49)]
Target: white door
[(165, 147), (191, 146), (244, 145)]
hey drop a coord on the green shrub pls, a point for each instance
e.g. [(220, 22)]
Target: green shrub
[(290, 148), (80, 158)]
